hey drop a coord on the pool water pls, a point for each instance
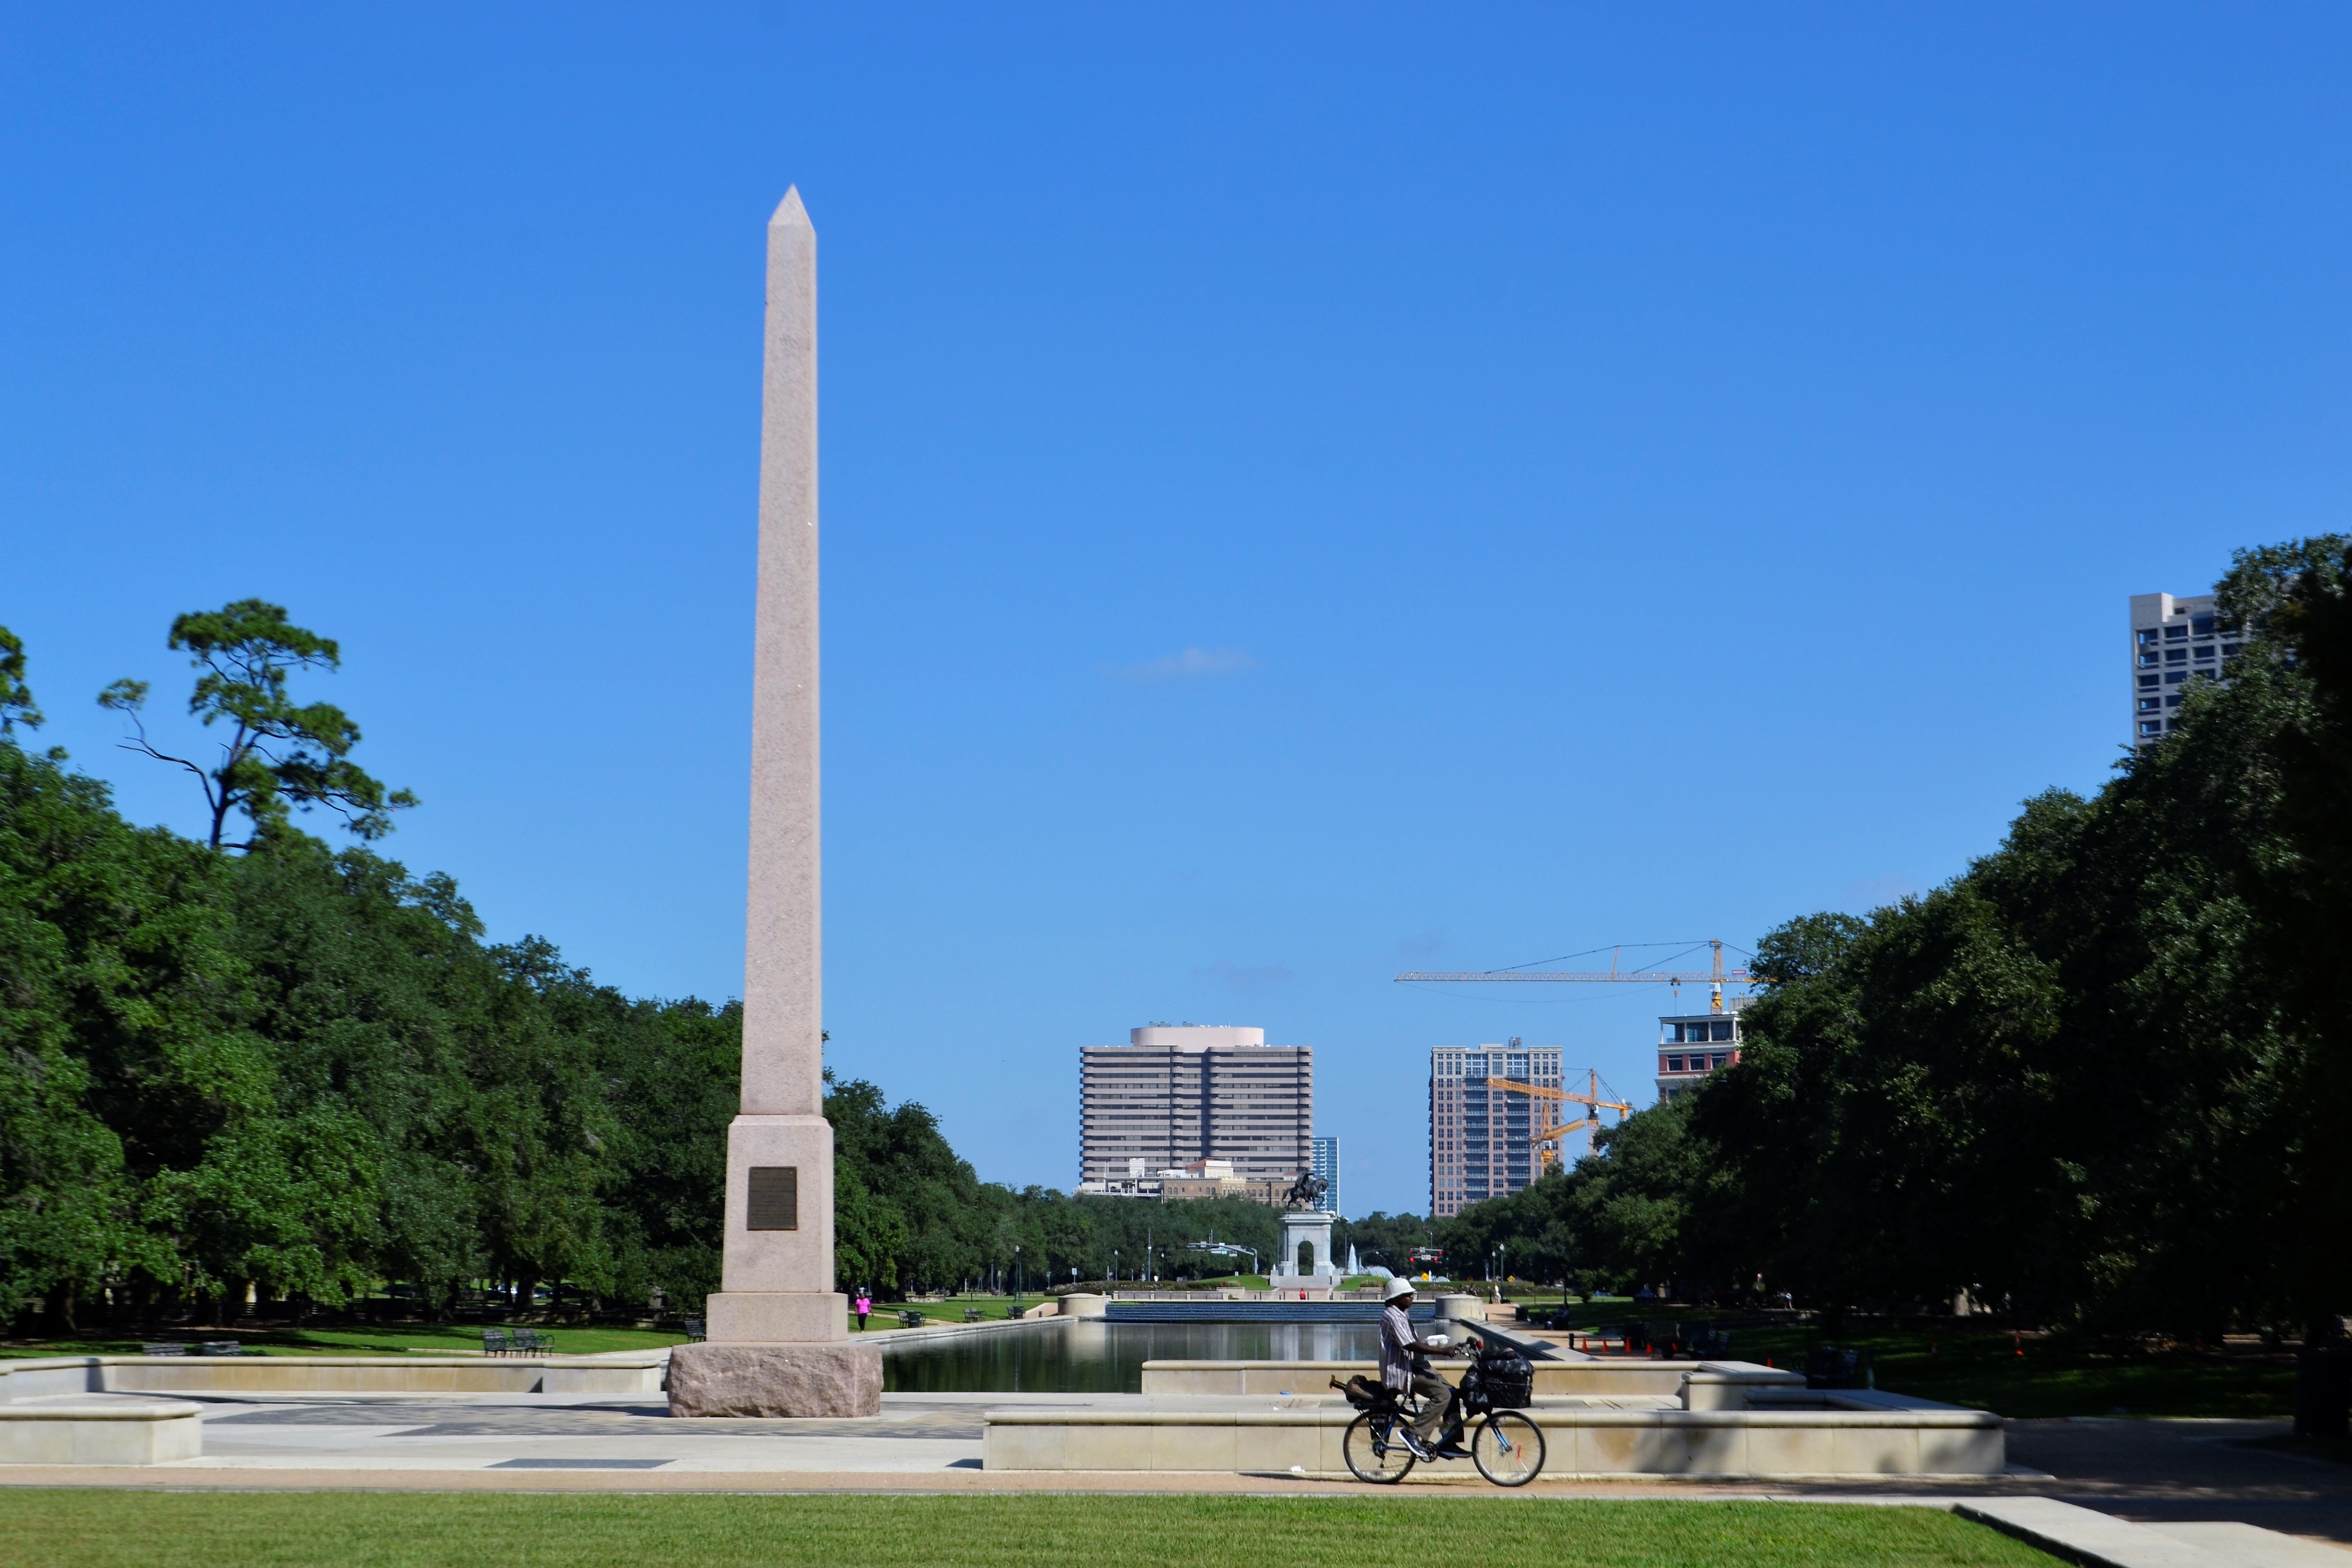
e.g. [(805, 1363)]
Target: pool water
[(1092, 1356)]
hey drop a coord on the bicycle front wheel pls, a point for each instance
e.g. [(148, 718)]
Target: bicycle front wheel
[(1507, 1448), (1375, 1450)]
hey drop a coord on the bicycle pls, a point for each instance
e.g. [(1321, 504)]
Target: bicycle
[(1507, 1447)]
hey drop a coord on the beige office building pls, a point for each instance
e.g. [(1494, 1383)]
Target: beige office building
[(1178, 1094)]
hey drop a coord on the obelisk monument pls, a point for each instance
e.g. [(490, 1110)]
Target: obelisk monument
[(779, 1334)]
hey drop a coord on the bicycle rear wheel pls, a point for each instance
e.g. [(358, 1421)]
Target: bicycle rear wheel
[(1375, 1449), (1507, 1448)]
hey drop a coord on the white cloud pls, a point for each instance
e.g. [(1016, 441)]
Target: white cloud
[(1192, 662)]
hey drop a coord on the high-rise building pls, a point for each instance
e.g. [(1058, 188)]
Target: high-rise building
[(2173, 642), (1326, 1164), (1693, 1045), (1176, 1095), (1481, 1139)]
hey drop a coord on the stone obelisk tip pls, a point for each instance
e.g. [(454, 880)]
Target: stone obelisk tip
[(789, 213)]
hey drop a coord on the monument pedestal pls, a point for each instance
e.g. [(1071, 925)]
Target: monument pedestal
[(840, 1378)]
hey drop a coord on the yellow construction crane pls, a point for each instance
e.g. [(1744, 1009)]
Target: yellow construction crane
[(1551, 1100), (1715, 975)]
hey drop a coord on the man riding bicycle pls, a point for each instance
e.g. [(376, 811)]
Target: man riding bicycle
[(1404, 1371)]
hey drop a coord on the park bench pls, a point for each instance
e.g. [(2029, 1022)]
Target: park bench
[(168, 1347), (696, 1329), (911, 1319), (971, 1314), (1829, 1367), (221, 1347), (495, 1342)]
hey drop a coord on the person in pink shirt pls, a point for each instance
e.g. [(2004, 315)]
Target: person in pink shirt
[(865, 1305)]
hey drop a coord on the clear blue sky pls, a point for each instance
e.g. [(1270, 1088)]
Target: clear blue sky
[(1305, 494)]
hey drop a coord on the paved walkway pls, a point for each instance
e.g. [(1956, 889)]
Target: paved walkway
[(2153, 1472), (2165, 1471)]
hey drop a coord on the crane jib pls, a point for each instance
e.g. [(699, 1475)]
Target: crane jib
[(1654, 977)]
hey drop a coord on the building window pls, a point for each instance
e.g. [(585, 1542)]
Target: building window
[(2231, 651), (2146, 681), (2146, 635), (1674, 1064), (2147, 703), (2152, 727), (2174, 677), (2203, 653), (2146, 657), (2176, 633), (2176, 656), (2203, 625)]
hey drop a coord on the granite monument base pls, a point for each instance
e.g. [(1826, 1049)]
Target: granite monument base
[(835, 1378)]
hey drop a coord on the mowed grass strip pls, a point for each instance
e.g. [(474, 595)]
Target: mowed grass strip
[(101, 1529)]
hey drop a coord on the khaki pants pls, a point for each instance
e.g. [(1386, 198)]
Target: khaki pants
[(1436, 1399)]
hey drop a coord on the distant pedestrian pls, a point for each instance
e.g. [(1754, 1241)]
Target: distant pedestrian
[(865, 1305)]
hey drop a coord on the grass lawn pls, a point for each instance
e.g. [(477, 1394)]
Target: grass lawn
[(1963, 1364), (393, 1339), (94, 1529)]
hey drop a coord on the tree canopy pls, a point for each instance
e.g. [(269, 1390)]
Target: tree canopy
[(279, 756), (2101, 1075)]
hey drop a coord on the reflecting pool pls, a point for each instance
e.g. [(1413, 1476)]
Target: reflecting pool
[(1089, 1355)]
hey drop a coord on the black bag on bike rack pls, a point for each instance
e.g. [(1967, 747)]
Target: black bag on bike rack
[(1506, 1378)]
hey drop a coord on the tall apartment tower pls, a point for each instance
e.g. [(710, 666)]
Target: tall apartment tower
[(1326, 1164), (1177, 1094), (2173, 641), (1482, 1140)]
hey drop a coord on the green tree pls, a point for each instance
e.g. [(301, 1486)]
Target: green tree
[(2301, 595), (279, 756), (16, 705)]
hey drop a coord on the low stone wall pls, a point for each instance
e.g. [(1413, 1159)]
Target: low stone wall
[(1704, 1385), (91, 1432), (330, 1374), (900, 1339), (72, 1410), (1579, 1442)]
